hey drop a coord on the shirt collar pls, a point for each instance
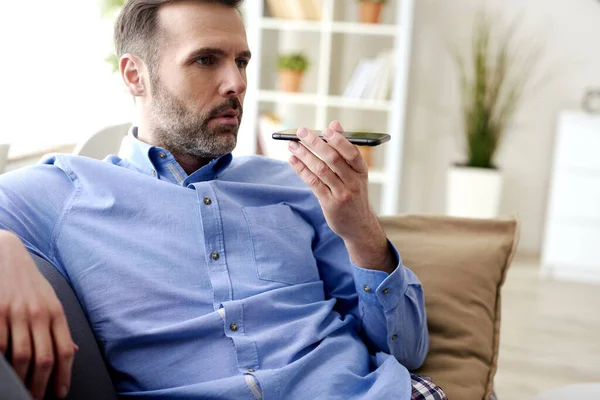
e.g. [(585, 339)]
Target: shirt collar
[(146, 158)]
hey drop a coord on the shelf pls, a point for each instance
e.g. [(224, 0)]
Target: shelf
[(356, 28), (360, 104), (288, 98), (330, 101), (291, 25)]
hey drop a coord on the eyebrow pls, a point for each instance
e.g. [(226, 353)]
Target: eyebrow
[(216, 51)]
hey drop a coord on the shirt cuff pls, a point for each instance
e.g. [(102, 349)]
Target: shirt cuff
[(378, 288)]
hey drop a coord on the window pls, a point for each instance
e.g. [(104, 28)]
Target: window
[(55, 87)]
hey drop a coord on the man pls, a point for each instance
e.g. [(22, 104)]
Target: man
[(203, 276)]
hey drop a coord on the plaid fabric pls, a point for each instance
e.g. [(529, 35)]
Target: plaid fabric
[(424, 389)]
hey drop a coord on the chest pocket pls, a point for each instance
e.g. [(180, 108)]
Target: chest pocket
[(282, 244)]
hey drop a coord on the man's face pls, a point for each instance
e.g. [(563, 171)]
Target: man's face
[(199, 83)]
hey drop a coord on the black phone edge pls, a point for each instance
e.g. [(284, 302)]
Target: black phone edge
[(356, 141)]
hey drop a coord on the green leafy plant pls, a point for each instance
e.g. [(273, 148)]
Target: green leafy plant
[(294, 62), (492, 84)]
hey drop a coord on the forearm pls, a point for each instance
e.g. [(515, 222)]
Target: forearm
[(371, 250)]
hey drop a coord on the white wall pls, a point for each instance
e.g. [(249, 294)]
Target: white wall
[(569, 31)]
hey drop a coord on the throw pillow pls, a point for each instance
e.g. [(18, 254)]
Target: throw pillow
[(462, 264)]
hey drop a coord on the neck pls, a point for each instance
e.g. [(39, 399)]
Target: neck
[(189, 162)]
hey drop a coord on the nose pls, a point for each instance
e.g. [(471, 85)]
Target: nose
[(234, 81)]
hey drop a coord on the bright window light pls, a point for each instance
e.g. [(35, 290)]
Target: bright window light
[(55, 87)]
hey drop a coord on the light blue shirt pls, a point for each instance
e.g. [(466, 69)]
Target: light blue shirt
[(224, 284)]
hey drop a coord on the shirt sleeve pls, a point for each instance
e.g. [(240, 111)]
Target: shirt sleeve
[(389, 308), (32, 204)]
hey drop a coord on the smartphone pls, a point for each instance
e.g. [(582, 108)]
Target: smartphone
[(357, 138)]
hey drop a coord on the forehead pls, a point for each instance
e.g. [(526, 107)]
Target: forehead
[(189, 24)]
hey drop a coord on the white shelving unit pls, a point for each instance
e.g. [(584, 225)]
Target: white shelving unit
[(387, 175)]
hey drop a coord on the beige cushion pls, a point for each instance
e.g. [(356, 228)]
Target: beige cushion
[(462, 264)]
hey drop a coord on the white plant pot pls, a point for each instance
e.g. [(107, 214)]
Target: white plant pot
[(473, 192)]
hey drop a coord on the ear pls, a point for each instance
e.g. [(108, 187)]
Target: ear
[(133, 72)]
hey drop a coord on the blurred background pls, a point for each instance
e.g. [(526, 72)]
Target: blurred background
[(493, 108)]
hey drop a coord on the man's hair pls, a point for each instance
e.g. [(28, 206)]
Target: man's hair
[(137, 30)]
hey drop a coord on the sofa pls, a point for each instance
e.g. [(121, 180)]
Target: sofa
[(462, 264)]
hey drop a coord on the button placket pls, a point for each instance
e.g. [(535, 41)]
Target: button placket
[(215, 257)]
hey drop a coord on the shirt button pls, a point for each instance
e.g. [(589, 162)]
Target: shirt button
[(386, 291), (394, 337), (162, 155), (251, 370), (367, 288), (215, 256), (153, 172), (207, 201), (233, 326)]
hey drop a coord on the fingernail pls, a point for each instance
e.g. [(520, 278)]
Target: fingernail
[(328, 133), (294, 145), (63, 391), (302, 133)]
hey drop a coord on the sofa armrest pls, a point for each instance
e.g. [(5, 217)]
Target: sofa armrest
[(11, 386), (90, 379)]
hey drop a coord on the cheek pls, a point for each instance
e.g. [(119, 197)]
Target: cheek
[(196, 89)]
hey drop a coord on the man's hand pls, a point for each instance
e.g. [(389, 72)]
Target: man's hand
[(339, 180), (33, 326)]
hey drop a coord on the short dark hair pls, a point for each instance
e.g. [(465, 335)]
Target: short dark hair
[(136, 27)]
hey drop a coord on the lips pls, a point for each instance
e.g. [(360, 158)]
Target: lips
[(228, 114)]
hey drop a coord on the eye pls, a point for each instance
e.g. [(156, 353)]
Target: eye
[(205, 60), (242, 63)]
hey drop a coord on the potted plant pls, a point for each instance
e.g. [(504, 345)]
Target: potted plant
[(370, 11), (291, 70), (492, 83)]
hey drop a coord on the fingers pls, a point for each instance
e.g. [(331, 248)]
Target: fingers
[(65, 353), (21, 343), (312, 181), (3, 331), (347, 150), (327, 168), (336, 126), (43, 354)]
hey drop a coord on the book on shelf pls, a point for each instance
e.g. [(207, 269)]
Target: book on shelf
[(295, 9), (372, 78)]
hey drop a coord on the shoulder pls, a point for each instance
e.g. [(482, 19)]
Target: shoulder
[(47, 172), (54, 171)]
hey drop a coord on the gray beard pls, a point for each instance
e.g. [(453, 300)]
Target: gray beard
[(181, 131)]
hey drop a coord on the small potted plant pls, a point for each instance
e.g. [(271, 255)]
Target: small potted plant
[(370, 11), (291, 70)]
